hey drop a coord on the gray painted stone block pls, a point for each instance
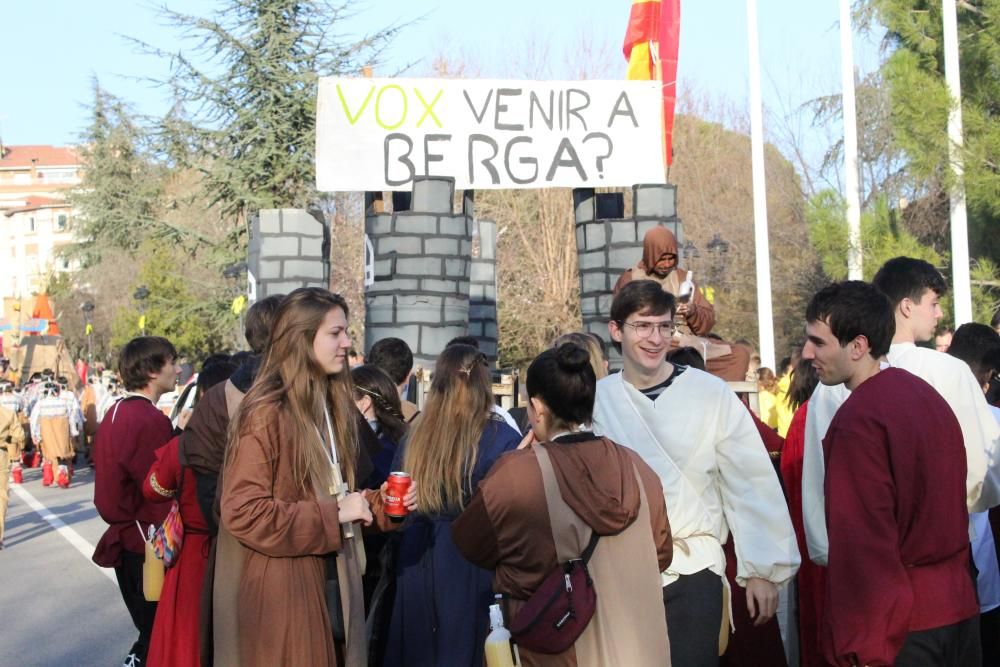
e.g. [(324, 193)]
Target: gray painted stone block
[(421, 310), (581, 240), (490, 330), (438, 285), (269, 270), (404, 245), (482, 272), (454, 226), (597, 235), (620, 259), (591, 260), (383, 267), (287, 286), (604, 304), (593, 282), (297, 221), (477, 291), (418, 266), (439, 246), (302, 268), (456, 268), (435, 338), (415, 223), (622, 231), (268, 222), (585, 209), (377, 225), (280, 246), (484, 310), (654, 200), (395, 285), (475, 328), (379, 310), (433, 194), (464, 248)]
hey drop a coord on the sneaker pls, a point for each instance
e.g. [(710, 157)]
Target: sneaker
[(132, 660)]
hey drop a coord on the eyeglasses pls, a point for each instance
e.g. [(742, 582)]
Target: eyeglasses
[(645, 329)]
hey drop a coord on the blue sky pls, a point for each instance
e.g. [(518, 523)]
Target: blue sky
[(52, 48)]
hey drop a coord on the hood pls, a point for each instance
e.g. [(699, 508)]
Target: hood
[(598, 481), (244, 376), (659, 241)]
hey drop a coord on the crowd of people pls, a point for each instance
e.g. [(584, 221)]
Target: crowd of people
[(863, 489)]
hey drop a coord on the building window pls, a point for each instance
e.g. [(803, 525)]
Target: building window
[(31, 224), (64, 263), (61, 223)]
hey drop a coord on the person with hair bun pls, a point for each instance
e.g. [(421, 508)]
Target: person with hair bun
[(603, 488), (441, 611)]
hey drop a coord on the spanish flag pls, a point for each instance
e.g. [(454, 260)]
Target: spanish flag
[(651, 44)]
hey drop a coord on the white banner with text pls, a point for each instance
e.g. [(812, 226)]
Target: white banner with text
[(377, 134)]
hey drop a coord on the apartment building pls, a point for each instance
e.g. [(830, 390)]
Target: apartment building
[(35, 220)]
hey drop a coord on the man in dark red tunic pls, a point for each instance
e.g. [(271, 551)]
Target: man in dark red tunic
[(899, 587), (124, 449)]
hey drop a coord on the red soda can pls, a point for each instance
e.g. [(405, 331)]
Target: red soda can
[(398, 485)]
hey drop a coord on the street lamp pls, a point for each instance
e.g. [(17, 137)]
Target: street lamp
[(233, 274), (689, 251), (718, 248), (140, 295), (88, 313)]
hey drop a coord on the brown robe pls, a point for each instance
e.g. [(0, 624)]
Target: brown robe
[(56, 441), (270, 602), (507, 528)]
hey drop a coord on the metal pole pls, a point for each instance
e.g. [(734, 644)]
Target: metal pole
[(852, 190), (765, 319), (962, 285)]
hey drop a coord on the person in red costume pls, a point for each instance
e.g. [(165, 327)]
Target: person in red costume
[(696, 317), (899, 587), (132, 430), (811, 578), (175, 640)]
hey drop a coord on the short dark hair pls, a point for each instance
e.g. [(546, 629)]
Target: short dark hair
[(908, 278), (464, 340), (971, 343), (854, 308), (642, 296), (260, 319), (393, 356), (142, 357), (564, 379), (686, 356), (216, 369)]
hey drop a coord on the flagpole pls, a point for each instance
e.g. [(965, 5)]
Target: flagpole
[(765, 319), (961, 278), (852, 189)]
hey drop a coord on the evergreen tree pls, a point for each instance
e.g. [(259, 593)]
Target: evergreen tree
[(120, 189), (245, 94)]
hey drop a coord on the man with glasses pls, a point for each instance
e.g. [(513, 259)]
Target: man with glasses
[(694, 314), (717, 477)]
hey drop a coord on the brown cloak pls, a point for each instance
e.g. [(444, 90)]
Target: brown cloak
[(270, 602)]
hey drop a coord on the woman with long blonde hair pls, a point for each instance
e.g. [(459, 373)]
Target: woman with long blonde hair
[(292, 456), (440, 615)]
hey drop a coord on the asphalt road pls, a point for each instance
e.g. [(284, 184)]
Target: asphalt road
[(56, 607)]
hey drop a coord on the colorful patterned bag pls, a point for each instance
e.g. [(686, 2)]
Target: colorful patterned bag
[(169, 537)]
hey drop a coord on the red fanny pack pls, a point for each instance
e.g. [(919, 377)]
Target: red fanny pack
[(558, 612)]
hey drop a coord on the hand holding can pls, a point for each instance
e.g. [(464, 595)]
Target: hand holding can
[(397, 488)]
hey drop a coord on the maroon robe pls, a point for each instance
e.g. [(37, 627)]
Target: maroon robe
[(897, 520), (124, 449), (752, 645), (811, 578)]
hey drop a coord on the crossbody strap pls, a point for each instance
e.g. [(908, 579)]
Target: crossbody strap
[(563, 520)]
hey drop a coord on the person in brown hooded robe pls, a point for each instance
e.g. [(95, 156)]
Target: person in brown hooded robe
[(511, 527), (697, 317)]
